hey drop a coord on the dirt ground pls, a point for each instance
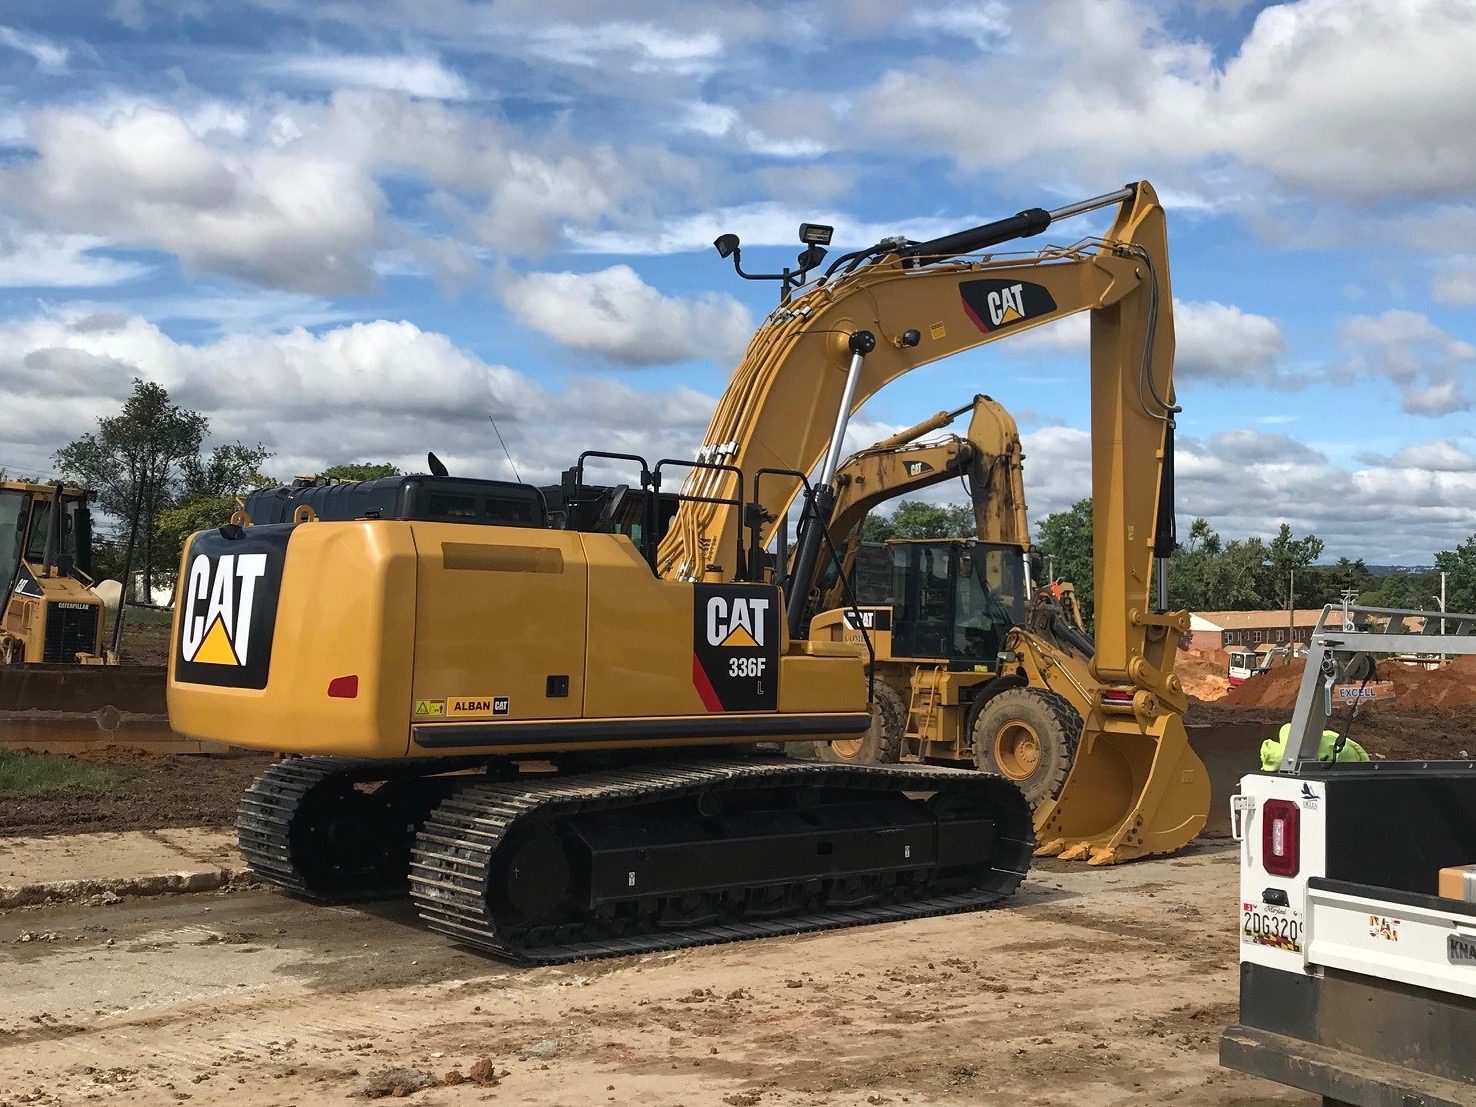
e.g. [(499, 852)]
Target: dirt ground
[(1095, 988), (1384, 730), (146, 791)]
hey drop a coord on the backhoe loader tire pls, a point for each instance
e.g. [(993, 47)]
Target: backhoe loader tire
[(880, 745), (1029, 737)]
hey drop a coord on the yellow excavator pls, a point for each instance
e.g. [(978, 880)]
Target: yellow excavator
[(955, 622), (551, 735), (49, 612)]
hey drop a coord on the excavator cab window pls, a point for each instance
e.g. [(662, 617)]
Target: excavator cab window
[(74, 552), (13, 505)]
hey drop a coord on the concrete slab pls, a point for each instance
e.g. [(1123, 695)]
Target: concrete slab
[(138, 862)]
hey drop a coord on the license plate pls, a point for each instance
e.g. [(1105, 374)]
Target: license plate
[(1277, 927), (1460, 950)]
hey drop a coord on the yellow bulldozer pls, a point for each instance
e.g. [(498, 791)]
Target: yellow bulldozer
[(552, 735), (49, 612)]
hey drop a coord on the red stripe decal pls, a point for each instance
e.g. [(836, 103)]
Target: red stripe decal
[(983, 326), (704, 687)]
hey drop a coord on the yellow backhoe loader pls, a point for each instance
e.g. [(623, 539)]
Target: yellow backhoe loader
[(950, 619), (432, 646), (48, 610)]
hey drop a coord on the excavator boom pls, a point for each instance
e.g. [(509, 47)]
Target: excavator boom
[(823, 354)]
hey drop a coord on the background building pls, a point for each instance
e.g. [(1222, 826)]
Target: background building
[(1223, 630)]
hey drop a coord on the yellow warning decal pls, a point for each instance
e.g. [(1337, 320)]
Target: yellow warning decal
[(216, 649), (430, 709), (938, 331), (467, 706)]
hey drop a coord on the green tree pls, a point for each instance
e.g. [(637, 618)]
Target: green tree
[(1209, 574), (1287, 556), (359, 470), (133, 461), (1065, 539), (876, 528), (917, 519), (209, 487), (1459, 565)]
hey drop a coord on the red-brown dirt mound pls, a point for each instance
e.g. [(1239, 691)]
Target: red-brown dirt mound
[(1452, 685)]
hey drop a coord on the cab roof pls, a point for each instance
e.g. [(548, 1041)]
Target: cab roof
[(68, 490)]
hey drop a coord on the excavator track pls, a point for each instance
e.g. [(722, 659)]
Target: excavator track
[(693, 852), (309, 826)]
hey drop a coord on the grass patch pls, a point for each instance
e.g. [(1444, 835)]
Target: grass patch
[(41, 774)]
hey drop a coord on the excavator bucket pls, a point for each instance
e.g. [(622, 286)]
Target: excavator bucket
[(1132, 792)]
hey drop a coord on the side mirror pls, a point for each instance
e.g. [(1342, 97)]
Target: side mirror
[(1037, 567)]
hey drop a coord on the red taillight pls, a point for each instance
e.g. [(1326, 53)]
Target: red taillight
[(1281, 837), (344, 687)]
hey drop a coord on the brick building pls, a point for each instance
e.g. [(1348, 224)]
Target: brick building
[(1224, 630)]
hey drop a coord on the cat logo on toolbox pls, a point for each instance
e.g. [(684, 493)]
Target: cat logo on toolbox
[(228, 607), (735, 646)]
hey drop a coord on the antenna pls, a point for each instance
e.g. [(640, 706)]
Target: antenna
[(504, 447)]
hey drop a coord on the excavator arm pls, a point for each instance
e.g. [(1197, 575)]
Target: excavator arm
[(819, 357)]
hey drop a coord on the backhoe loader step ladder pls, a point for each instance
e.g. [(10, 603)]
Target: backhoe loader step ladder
[(926, 699)]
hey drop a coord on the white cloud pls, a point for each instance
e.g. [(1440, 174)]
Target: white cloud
[(642, 47), (1455, 283), (1246, 483), (1215, 342), (38, 259), (1434, 371), (1441, 456), (1220, 342), (379, 390), (50, 57), (145, 179), (768, 223), (1333, 97), (286, 194), (984, 24), (421, 76), (726, 122), (614, 313)]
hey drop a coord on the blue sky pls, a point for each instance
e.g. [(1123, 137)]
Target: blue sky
[(354, 230)]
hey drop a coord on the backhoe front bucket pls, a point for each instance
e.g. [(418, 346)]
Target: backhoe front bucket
[(1130, 794)]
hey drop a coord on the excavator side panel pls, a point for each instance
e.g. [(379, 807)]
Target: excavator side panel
[(389, 639)]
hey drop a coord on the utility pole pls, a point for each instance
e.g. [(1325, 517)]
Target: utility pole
[(1291, 613)]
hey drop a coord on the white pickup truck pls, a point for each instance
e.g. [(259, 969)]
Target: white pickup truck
[(1357, 979)]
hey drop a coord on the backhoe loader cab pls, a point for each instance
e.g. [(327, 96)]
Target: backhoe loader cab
[(48, 610), (953, 600)]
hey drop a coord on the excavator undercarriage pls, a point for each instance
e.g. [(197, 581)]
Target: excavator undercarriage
[(557, 866)]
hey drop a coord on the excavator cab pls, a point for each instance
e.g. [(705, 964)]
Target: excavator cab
[(48, 610)]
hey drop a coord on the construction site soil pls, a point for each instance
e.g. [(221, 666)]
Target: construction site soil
[(142, 791), (1094, 988)]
